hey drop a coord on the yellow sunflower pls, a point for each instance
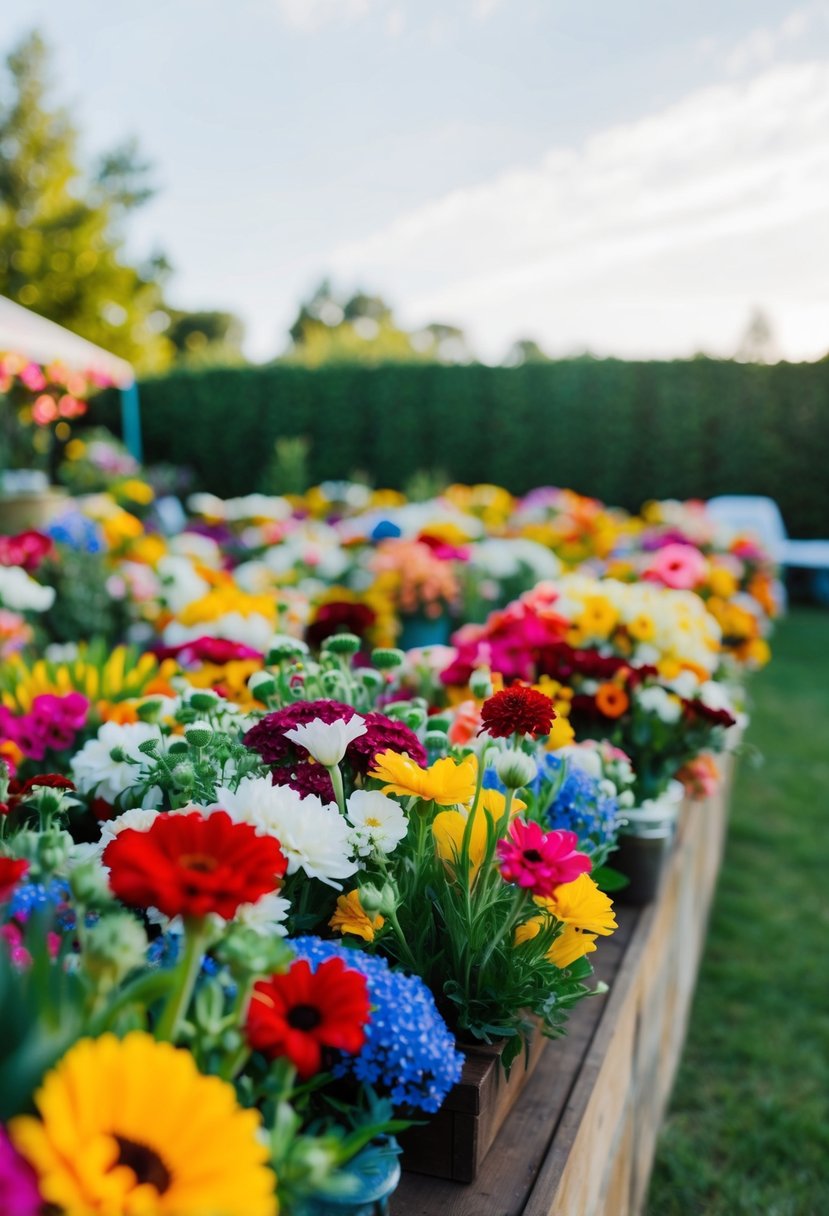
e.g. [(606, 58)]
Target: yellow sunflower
[(130, 1127)]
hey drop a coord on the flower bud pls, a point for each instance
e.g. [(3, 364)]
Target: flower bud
[(184, 776), (198, 734), (204, 700), (369, 678), (437, 741), (342, 643), (514, 768), (386, 658), (53, 850), (283, 647), (149, 711), (382, 900), (480, 684), (178, 747), (113, 947), (89, 884), (262, 684), (149, 747)]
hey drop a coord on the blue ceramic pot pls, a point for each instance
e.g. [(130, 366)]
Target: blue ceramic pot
[(368, 1182), (420, 630)]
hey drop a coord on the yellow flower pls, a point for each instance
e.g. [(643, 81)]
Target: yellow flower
[(573, 943), (561, 733), (580, 903), (130, 1127), (446, 782), (642, 627), (598, 618), (449, 827), (351, 917), (722, 582), (136, 491), (117, 676)]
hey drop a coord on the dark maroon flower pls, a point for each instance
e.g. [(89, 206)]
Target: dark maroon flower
[(267, 737), (700, 712), (517, 710), (384, 734), (307, 779), (339, 616)]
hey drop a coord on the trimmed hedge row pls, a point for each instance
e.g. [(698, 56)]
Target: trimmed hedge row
[(621, 431)]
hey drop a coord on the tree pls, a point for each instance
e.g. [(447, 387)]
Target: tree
[(525, 350), (206, 337), (62, 227), (758, 344), (361, 328)]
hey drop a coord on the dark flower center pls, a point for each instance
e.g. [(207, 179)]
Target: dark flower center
[(532, 855), (202, 863), (304, 1017), (145, 1163)]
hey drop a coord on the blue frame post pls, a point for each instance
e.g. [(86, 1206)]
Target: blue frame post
[(131, 421)]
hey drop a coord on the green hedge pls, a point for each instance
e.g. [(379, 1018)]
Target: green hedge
[(621, 431)]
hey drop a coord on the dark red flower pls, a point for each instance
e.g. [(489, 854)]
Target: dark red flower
[(300, 1013), (517, 710), (194, 864), (700, 712), (267, 737), (382, 735), (307, 779), (339, 616), (207, 650), (27, 549), (11, 872), (51, 781)]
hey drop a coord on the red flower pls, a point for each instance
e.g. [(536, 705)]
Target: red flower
[(194, 864), (298, 1014), (268, 737), (540, 861), (336, 617), (27, 549), (11, 872), (517, 710)]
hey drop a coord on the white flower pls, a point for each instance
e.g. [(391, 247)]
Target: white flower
[(656, 700), (716, 696), (21, 593), (379, 822), (266, 916), (313, 835), (103, 767), (327, 741), (586, 759), (140, 819)]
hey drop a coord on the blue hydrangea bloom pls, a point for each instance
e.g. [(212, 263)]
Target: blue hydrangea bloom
[(31, 897), (76, 531), (409, 1051), (579, 804)]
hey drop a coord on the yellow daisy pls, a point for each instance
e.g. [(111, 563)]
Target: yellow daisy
[(130, 1127), (446, 782), (351, 917)]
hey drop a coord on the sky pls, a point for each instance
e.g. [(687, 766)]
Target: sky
[(631, 179)]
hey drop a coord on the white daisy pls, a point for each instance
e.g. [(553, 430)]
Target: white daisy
[(378, 821)]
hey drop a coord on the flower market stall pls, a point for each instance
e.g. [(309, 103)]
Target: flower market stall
[(338, 825)]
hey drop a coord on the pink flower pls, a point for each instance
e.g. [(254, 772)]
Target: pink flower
[(540, 861), (33, 378), (19, 1195), (681, 567)]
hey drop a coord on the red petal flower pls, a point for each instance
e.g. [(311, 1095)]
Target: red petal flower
[(298, 1014), (11, 872), (194, 864), (540, 861), (517, 710)]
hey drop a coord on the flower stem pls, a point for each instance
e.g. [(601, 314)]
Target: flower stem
[(195, 935), (337, 782)]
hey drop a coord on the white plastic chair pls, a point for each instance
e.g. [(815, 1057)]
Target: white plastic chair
[(761, 517)]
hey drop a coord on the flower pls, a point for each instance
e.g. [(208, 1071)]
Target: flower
[(681, 567), (540, 861), (19, 1195), (445, 782), (351, 917), (580, 903), (110, 764), (312, 834), (409, 1052), (194, 864), (379, 822), (580, 803), (571, 943), (11, 872), (611, 700), (327, 741), (300, 1013), (517, 710), (130, 1125)]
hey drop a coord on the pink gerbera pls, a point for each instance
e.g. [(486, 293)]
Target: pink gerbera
[(540, 861), (681, 567)]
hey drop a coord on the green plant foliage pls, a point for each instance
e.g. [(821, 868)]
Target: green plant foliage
[(624, 432)]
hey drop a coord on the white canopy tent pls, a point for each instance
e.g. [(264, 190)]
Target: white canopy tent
[(25, 333)]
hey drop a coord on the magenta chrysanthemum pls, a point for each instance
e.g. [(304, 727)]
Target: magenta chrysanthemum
[(540, 861)]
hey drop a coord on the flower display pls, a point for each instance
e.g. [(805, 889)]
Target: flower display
[(301, 1013), (192, 865)]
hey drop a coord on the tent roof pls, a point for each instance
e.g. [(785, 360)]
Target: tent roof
[(25, 333)]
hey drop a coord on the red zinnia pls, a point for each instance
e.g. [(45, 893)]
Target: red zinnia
[(194, 864), (540, 861), (11, 872), (298, 1014), (517, 710)]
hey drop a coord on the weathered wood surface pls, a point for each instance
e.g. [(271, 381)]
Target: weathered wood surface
[(581, 1137)]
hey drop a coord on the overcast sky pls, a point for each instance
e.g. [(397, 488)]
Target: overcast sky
[(631, 179)]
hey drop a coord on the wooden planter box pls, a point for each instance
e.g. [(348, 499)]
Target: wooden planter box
[(455, 1141), (581, 1135)]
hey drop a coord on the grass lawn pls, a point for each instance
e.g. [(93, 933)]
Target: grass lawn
[(748, 1127)]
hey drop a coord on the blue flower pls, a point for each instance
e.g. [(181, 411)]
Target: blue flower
[(31, 897), (76, 531), (409, 1051), (579, 803)]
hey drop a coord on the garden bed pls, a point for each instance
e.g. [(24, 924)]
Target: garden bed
[(581, 1138)]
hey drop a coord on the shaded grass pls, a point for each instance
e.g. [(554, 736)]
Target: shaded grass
[(748, 1128)]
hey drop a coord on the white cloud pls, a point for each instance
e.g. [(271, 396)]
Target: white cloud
[(765, 45), (653, 237), (308, 16)]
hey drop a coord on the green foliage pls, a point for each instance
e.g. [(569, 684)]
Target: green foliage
[(624, 432), (748, 1129), (287, 472), (61, 240), (206, 338)]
